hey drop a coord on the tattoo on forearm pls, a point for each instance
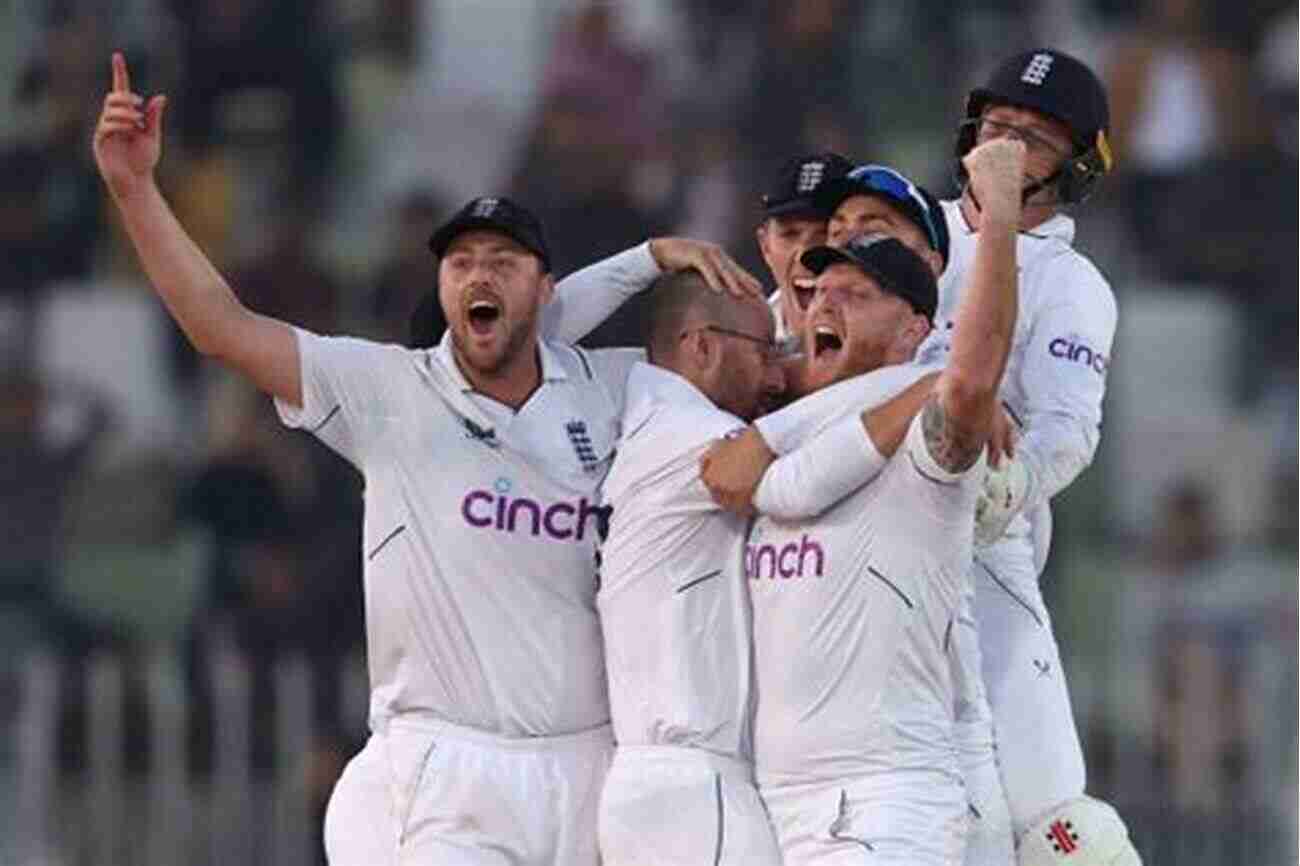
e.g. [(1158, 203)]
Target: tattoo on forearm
[(953, 448)]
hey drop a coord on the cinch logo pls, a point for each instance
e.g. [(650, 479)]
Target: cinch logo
[(803, 558), (496, 509), (1071, 350)]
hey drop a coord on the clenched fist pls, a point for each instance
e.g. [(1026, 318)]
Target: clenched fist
[(997, 178), (128, 137)]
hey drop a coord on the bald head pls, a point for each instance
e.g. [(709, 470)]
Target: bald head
[(719, 343), (681, 300)]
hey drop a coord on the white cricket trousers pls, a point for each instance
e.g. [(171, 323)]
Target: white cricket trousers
[(424, 791), (680, 806), (1039, 755), (907, 818), (989, 841)]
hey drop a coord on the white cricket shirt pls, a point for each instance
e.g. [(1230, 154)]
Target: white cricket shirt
[(672, 597), (479, 536), (1056, 372), (852, 615)]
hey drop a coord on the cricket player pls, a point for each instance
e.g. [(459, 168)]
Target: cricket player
[(673, 603), (482, 457), (853, 611), (794, 221), (1055, 382), (876, 198)]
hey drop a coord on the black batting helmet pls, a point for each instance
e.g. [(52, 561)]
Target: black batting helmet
[(1062, 87)]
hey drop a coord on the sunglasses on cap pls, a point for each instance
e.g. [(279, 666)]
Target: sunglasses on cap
[(889, 183)]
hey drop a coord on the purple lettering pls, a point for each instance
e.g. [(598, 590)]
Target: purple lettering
[(807, 545), (586, 511), (791, 559), (548, 520), (781, 567), (484, 509), (467, 505), (1069, 350), (520, 504)]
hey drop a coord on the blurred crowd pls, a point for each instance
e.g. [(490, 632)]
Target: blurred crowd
[(149, 498)]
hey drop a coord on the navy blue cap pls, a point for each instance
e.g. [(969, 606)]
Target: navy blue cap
[(495, 214), (798, 181), (889, 262)]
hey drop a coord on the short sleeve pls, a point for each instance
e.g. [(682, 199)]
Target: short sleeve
[(348, 385)]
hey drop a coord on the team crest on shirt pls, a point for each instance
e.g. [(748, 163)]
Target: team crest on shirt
[(581, 441)]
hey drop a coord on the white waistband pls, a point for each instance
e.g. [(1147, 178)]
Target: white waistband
[(599, 736), (726, 765)]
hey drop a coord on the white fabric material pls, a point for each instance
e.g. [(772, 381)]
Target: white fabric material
[(1081, 832), (1056, 373), (434, 793), (989, 840), (844, 824), (1054, 384), (672, 599), (666, 806), (774, 302), (479, 550), (589, 296), (1039, 753), (789, 428), (837, 462), (850, 617)]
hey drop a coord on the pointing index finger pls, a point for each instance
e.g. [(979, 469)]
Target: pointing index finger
[(121, 78)]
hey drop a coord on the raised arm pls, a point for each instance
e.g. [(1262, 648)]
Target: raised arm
[(587, 297), (958, 418), (127, 145)]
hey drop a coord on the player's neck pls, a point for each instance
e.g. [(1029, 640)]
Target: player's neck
[(512, 384), (1031, 217)]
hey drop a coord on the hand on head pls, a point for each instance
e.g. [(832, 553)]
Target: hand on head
[(128, 137), (720, 271)]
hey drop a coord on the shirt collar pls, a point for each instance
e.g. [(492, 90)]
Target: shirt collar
[(649, 386), (552, 369), (1059, 227)]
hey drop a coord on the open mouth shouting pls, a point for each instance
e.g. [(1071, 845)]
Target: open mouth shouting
[(804, 288), (827, 342), (482, 313)]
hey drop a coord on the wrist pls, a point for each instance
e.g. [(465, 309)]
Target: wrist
[(127, 194), (1000, 216), (657, 252)]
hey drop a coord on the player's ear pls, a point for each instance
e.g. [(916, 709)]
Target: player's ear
[(546, 289), (700, 348), (914, 334), (760, 235)]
